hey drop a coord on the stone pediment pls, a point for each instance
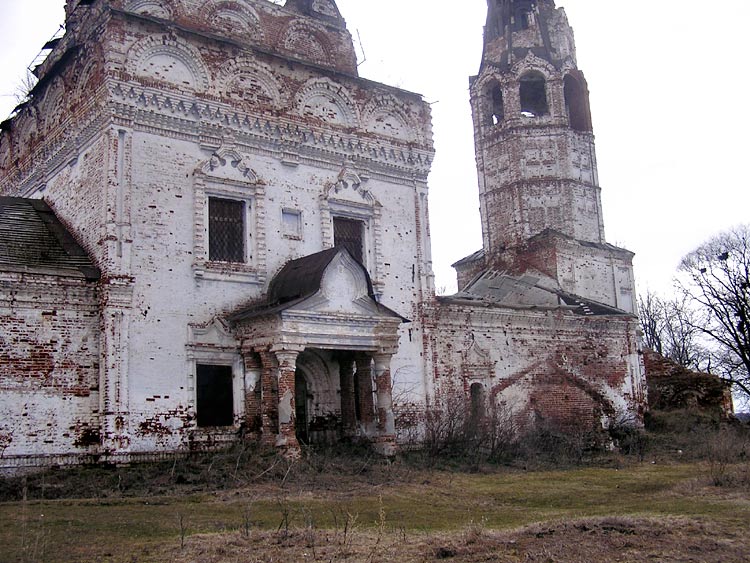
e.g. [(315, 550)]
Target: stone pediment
[(328, 283), (324, 301), (344, 290), (214, 334)]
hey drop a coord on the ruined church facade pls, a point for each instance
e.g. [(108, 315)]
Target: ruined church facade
[(214, 230)]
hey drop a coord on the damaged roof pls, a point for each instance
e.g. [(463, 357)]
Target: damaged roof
[(299, 280), (34, 240), (531, 290)]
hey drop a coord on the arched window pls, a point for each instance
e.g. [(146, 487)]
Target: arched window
[(533, 92), (577, 104), (493, 98)]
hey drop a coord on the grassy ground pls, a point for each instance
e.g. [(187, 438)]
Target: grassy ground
[(371, 511)]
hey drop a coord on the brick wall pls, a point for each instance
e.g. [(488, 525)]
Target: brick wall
[(551, 365), (49, 366)]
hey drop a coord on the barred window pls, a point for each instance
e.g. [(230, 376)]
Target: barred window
[(226, 230), (348, 233)]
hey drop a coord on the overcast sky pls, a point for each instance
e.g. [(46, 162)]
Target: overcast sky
[(669, 89)]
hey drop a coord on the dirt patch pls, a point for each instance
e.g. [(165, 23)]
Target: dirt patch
[(610, 539)]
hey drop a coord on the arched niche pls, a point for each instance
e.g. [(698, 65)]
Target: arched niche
[(307, 42), (327, 101), (154, 8), (168, 61), (234, 17)]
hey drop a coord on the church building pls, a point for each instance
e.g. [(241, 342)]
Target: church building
[(212, 229)]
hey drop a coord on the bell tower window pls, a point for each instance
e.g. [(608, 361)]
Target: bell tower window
[(494, 101), (576, 104), (522, 17), (533, 93)]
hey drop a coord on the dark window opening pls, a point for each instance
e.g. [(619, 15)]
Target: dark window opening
[(214, 403), (226, 230), (576, 104), (348, 233), (533, 93), (477, 395), (496, 107), (523, 20)]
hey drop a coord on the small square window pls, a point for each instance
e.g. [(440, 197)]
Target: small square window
[(291, 223), (226, 230)]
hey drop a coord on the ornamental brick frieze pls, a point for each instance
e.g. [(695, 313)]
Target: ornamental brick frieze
[(183, 117)]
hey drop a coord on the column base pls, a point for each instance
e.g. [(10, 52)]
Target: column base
[(288, 447), (385, 446)]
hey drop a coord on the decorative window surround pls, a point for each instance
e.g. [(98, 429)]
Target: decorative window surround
[(226, 175), (339, 199), (214, 344)]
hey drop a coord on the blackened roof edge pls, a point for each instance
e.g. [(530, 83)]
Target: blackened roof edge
[(78, 258)]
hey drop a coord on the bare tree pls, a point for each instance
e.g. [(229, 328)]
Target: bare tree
[(669, 328), (24, 87), (652, 317), (715, 279)]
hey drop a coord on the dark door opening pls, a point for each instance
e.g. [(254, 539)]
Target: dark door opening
[(300, 408), (214, 402)]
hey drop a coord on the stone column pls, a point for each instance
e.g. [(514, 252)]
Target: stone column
[(287, 436), (269, 398), (253, 394), (348, 398), (364, 382), (385, 442)]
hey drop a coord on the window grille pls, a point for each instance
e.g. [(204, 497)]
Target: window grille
[(347, 233), (226, 230)]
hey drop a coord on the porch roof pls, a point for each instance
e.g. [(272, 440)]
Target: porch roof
[(300, 280)]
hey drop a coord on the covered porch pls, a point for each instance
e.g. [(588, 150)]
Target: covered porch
[(321, 348)]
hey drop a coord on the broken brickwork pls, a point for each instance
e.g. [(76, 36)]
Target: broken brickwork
[(675, 387), (49, 365), (549, 365), (259, 217), (135, 129)]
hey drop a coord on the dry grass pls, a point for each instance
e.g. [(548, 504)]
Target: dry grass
[(579, 541), (662, 512)]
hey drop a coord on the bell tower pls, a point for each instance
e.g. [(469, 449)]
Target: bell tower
[(534, 142), (538, 184)]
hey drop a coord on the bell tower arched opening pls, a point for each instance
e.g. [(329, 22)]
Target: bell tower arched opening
[(577, 104), (494, 104), (533, 94)]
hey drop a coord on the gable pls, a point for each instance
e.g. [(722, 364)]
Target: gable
[(344, 289)]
